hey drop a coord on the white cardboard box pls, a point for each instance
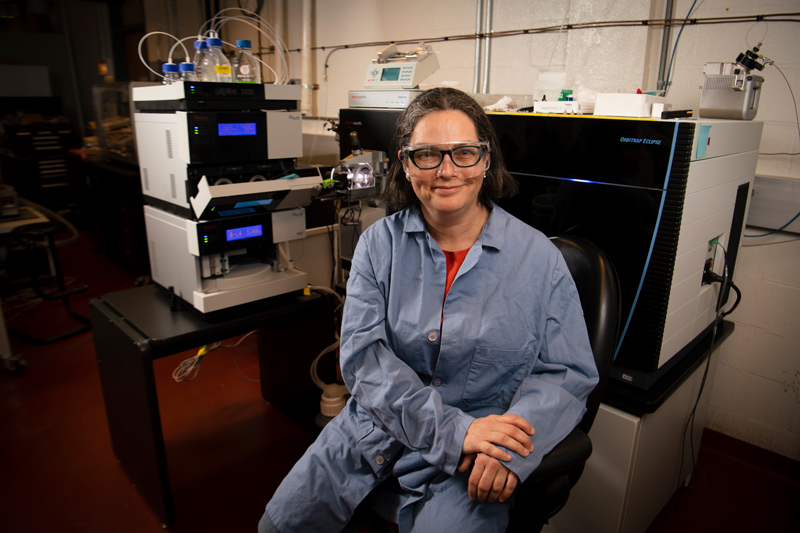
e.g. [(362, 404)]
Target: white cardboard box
[(628, 105)]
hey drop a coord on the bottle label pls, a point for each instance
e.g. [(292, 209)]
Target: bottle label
[(244, 69), (222, 69)]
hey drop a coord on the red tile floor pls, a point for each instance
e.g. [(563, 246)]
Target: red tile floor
[(227, 449)]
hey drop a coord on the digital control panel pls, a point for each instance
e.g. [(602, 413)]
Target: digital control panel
[(391, 76), (221, 137), (240, 232)]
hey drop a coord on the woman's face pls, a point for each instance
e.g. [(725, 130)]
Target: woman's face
[(447, 190)]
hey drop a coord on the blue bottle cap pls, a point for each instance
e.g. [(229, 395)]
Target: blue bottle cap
[(169, 67), (243, 43), (211, 41), (186, 67), (200, 44)]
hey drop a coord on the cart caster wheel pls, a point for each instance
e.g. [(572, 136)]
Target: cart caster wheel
[(15, 365)]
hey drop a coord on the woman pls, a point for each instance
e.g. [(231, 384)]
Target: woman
[(462, 331)]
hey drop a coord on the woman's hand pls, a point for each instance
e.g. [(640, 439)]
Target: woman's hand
[(485, 434), (490, 479)]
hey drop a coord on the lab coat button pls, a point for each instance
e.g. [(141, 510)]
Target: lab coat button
[(432, 336), (380, 459), (437, 382)]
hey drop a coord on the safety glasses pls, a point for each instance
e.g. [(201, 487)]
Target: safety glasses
[(462, 154)]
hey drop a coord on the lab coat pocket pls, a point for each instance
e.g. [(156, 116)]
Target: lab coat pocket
[(494, 376)]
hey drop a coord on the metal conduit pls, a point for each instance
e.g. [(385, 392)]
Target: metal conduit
[(478, 29), (487, 46), (662, 64)]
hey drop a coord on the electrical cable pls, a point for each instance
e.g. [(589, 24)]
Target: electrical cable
[(690, 421), (777, 230), (233, 356), (733, 286), (189, 368), (241, 373), (770, 243), (675, 48)]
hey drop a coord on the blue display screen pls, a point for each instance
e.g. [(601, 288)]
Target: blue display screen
[(254, 203), (234, 212), (246, 232), (390, 74), (233, 129)]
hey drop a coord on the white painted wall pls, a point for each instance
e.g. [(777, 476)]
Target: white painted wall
[(756, 397)]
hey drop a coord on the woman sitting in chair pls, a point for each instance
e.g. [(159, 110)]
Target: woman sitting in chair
[(462, 332)]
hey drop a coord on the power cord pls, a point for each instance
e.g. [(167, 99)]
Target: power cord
[(708, 277), (189, 368)]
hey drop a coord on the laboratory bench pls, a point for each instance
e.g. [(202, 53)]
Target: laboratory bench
[(133, 328)]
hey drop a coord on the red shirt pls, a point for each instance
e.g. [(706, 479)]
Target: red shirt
[(454, 261)]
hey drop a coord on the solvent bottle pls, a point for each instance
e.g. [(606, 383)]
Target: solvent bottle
[(170, 71), (200, 48), (187, 71), (245, 66), (215, 66)]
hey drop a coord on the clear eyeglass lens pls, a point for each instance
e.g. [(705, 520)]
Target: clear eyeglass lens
[(463, 156)]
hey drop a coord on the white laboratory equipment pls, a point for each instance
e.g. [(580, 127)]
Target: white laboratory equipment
[(222, 201)]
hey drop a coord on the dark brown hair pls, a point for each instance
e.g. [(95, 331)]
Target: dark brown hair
[(498, 183)]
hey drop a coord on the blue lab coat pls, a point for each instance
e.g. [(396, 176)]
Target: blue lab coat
[(510, 338)]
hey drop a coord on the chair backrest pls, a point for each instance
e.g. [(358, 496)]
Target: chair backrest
[(598, 289)]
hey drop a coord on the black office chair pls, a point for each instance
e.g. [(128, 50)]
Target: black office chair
[(545, 492)]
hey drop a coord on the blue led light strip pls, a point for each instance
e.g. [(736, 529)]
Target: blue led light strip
[(652, 242)]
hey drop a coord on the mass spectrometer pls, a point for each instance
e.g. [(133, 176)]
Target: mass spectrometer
[(222, 201), (666, 200)]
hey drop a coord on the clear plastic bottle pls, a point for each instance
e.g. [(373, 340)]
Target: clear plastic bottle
[(170, 71), (215, 66), (246, 68), (200, 48), (187, 71)]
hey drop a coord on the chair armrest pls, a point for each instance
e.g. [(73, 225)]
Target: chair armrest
[(568, 454)]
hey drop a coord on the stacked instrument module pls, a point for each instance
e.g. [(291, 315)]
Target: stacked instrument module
[(222, 201)]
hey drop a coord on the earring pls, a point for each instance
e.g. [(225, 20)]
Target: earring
[(408, 177)]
